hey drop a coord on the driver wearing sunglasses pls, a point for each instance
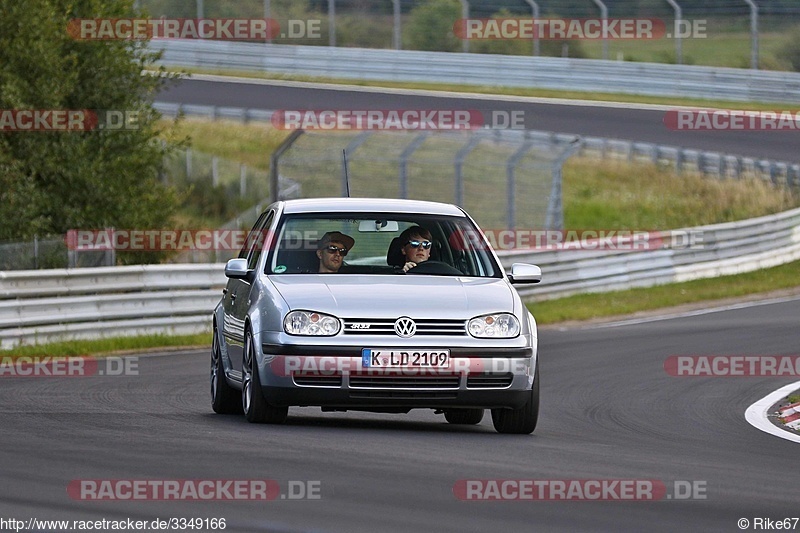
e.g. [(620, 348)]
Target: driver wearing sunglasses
[(331, 250), (416, 249)]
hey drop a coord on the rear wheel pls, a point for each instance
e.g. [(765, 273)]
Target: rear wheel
[(224, 398), (522, 420), (255, 407), (464, 416)]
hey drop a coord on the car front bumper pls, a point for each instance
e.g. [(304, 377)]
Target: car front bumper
[(334, 377)]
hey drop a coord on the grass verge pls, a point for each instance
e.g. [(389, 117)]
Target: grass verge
[(589, 306), (110, 346)]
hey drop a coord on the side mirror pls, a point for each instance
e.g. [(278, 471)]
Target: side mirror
[(236, 268), (525, 273)]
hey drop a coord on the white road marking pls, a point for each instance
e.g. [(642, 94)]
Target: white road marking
[(756, 414)]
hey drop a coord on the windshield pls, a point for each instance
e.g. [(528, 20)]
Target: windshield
[(380, 243)]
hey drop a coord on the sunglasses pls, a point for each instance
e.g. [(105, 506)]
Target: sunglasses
[(416, 244), (333, 249)]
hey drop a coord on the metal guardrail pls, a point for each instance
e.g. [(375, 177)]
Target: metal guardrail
[(653, 79), (40, 306), (45, 306), (718, 250)]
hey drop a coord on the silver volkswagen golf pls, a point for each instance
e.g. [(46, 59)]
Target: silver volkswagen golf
[(374, 305)]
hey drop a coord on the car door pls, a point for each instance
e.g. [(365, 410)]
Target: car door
[(236, 301)]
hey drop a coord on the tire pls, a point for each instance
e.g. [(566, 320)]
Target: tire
[(522, 420), (225, 399), (464, 416), (255, 407)]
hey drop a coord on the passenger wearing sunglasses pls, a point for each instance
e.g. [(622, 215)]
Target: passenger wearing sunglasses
[(331, 250), (416, 242)]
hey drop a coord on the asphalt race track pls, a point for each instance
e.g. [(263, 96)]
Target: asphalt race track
[(629, 123), (609, 412), (609, 409)]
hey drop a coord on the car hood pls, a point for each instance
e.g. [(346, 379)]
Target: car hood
[(393, 296)]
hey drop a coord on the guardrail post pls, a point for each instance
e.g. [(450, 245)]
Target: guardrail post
[(679, 158), (200, 9), (676, 31), (535, 10), (554, 219), (511, 183), (267, 15), (753, 34), (331, 23), (274, 160), (36, 252), (398, 39), (458, 164), (412, 146), (110, 255), (604, 16), (465, 16), (214, 171)]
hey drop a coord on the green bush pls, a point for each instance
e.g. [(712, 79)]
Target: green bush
[(790, 52)]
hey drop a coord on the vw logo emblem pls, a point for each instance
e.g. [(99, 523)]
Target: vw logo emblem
[(405, 327)]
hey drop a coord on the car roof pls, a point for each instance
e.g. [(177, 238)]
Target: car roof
[(368, 205)]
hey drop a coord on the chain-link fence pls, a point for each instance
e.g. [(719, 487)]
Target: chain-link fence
[(503, 179), (50, 252), (231, 179)]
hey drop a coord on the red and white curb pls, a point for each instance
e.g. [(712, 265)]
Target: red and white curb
[(790, 416), (757, 414)]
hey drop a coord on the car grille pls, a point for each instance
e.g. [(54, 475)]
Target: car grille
[(318, 380), (489, 381), (403, 395), (385, 326), (404, 382)]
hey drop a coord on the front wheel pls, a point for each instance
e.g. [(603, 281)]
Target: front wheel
[(224, 398), (522, 420), (255, 407)]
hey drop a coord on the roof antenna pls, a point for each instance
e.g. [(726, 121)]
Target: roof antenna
[(346, 174)]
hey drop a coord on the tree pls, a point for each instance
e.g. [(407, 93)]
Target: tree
[(58, 180), (430, 26)]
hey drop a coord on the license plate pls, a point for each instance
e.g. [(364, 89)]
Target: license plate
[(379, 358)]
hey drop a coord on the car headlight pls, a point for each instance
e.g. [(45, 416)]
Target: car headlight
[(497, 326), (311, 323)]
